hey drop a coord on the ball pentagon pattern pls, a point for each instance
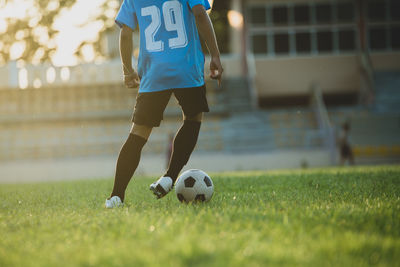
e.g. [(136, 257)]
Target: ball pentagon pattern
[(207, 181), (190, 181)]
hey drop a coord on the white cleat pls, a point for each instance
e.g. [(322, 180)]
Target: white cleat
[(114, 202), (162, 186)]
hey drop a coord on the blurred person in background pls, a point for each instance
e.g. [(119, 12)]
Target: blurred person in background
[(346, 152)]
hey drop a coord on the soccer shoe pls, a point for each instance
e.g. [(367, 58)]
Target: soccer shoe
[(162, 186), (114, 202)]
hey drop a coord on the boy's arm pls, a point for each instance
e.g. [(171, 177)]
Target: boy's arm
[(206, 31), (131, 78)]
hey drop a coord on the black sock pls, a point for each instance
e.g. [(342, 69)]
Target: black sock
[(184, 143), (127, 162)]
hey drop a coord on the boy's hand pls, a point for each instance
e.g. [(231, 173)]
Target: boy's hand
[(206, 31), (131, 80), (216, 69)]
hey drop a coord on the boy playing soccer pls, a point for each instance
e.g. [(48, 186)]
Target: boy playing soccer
[(170, 62)]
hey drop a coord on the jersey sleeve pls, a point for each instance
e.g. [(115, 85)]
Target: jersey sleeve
[(127, 15), (205, 3)]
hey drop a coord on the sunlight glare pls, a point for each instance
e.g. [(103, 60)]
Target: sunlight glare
[(64, 74), (38, 56), (23, 78), (235, 19), (73, 29), (37, 83), (51, 75), (88, 52), (17, 9), (109, 13), (34, 20), (42, 34), (19, 35), (17, 49), (114, 4), (53, 5), (3, 26)]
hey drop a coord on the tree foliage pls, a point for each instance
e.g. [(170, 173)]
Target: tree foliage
[(36, 33), (219, 17)]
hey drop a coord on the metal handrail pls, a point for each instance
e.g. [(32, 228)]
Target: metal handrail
[(325, 126), (367, 88)]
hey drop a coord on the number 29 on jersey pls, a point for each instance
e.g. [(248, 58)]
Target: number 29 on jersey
[(173, 21)]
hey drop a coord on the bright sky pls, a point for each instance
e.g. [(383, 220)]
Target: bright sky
[(68, 23)]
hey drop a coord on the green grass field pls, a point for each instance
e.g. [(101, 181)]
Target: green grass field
[(325, 217)]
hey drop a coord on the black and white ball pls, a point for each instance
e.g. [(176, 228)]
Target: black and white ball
[(194, 185)]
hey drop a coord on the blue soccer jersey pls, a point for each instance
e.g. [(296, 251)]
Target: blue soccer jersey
[(170, 51)]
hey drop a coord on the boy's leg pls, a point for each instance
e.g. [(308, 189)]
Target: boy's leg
[(129, 158), (148, 113), (193, 102), (184, 143)]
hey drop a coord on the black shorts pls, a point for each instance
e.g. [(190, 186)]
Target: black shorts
[(149, 107)]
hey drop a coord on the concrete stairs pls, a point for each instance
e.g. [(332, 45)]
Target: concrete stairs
[(237, 95)]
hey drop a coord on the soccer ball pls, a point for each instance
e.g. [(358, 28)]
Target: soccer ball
[(194, 185)]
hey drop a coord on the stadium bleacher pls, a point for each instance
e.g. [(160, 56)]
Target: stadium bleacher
[(54, 122), (387, 95), (69, 121)]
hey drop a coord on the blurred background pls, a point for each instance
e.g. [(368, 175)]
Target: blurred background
[(295, 71)]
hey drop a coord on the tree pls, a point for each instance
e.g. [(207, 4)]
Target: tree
[(34, 34), (219, 17)]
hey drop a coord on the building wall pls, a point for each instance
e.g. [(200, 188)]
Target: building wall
[(295, 76), (297, 43), (386, 61)]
